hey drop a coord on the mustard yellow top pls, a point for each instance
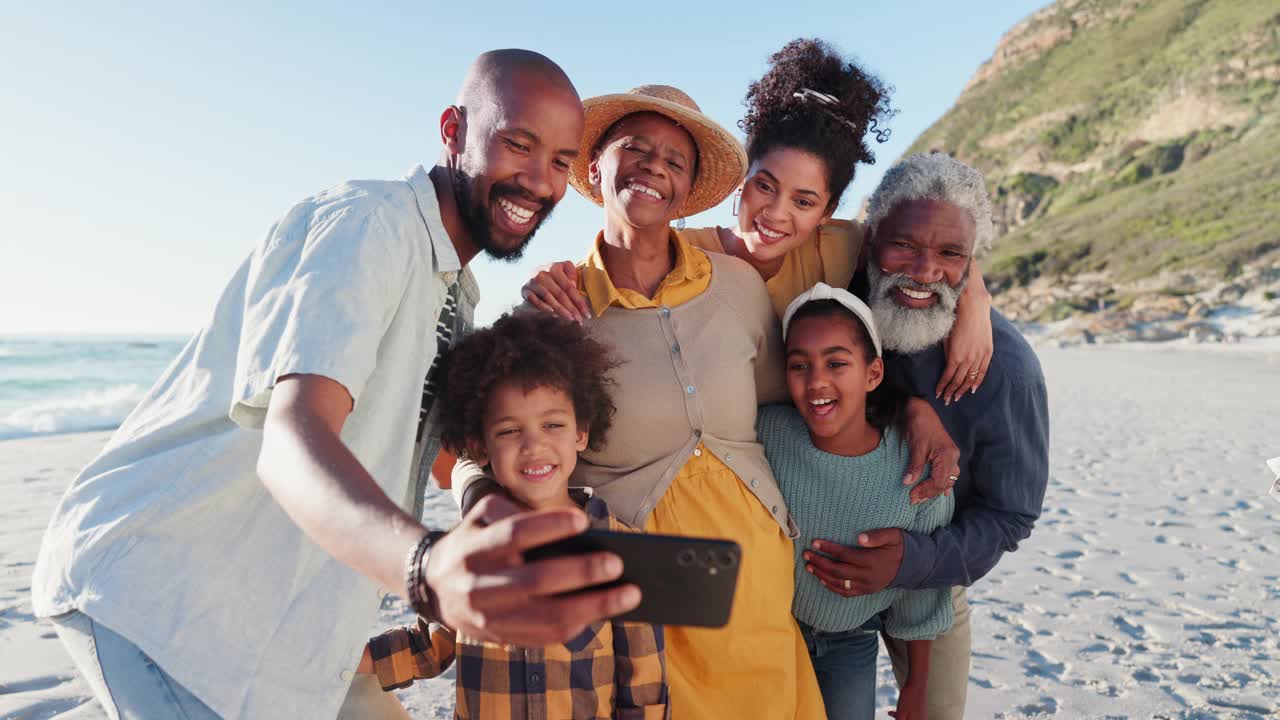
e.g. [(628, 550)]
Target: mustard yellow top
[(757, 665), (830, 255), (690, 276)]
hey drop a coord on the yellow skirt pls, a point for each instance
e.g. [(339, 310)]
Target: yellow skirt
[(757, 666)]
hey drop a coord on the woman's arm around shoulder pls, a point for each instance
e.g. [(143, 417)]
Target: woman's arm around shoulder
[(969, 346)]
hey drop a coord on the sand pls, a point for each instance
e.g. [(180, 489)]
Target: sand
[(1150, 588)]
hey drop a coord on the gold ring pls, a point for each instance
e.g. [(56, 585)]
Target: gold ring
[(953, 478), (973, 374), (848, 585)]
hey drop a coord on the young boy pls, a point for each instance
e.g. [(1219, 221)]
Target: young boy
[(525, 396)]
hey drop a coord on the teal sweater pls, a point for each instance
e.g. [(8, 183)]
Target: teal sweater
[(834, 498)]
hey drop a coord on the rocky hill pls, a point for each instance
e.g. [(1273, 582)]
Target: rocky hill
[(1132, 149)]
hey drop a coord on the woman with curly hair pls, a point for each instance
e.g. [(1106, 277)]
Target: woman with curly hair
[(806, 124)]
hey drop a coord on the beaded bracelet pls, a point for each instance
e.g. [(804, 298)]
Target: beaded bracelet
[(417, 592)]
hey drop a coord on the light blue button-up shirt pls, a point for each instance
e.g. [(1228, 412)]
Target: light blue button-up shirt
[(169, 537)]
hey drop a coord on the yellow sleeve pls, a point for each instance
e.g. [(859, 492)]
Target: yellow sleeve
[(410, 653), (829, 256), (839, 244), (705, 239)]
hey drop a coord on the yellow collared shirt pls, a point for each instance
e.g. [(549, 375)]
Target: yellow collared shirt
[(686, 281)]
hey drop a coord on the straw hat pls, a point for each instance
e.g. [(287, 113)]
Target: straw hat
[(722, 162)]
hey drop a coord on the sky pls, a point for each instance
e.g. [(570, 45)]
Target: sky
[(145, 147)]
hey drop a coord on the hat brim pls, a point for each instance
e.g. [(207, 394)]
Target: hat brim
[(722, 161)]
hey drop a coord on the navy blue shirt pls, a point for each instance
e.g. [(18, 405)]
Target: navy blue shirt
[(1003, 435)]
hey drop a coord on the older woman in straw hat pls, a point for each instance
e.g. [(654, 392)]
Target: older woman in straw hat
[(808, 121), (702, 349)]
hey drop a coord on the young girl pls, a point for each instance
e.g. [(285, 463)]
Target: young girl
[(524, 397), (838, 454)]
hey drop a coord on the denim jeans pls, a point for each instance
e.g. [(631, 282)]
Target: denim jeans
[(845, 663), (127, 682)]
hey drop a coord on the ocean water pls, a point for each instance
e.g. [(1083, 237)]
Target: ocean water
[(74, 384)]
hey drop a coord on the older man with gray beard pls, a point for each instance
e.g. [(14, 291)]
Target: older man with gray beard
[(927, 218)]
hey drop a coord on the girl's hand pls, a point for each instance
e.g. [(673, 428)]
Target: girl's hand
[(969, 345), (554, 289), (912, 702), (930, 444)]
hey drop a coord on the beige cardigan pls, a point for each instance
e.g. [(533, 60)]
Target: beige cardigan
[(691, 373)]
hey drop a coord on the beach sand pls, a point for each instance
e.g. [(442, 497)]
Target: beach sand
[(1149, 589)]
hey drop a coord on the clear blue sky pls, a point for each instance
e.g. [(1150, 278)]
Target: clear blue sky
[(146, 146)]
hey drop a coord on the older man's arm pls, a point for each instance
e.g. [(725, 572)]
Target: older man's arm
[(1010, 471)]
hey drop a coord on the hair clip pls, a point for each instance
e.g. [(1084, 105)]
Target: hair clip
[(825, 99)]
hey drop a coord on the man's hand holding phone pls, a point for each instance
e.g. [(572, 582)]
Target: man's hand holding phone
[(484, 588), (682, 580)]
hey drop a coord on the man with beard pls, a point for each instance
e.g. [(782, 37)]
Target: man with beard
[(226, 554), (928, 216)]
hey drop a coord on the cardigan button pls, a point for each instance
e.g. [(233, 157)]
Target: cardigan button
[(775, 509), (689, 390), (755, 482), (697, 452), (728, 457), (675, 348), (345, 675), (666, 311)]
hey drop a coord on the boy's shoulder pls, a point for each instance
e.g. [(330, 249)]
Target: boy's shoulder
[(597, 510)]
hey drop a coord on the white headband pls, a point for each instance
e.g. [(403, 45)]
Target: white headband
[(823, 291)]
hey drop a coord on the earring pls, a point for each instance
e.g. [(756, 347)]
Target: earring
[(737, 198), (680, 224)]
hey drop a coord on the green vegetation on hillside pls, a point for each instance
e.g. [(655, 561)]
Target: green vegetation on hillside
[(1137, 137)]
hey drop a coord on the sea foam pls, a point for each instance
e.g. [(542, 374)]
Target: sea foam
[(92, 410)]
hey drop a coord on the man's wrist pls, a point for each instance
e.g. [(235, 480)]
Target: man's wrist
[(420, 596), (907, 576)]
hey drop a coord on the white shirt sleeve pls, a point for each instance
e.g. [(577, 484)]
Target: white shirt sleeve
[(321, 292)]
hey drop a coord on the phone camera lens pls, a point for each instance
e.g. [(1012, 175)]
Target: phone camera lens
[(685, 558), (709, 559)]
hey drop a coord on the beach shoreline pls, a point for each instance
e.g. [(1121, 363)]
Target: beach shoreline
[(1148, 588)]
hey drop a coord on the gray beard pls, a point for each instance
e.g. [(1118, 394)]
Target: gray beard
[(910, 330)]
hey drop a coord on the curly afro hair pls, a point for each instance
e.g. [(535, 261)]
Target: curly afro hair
[(535, 349), (834, 131)]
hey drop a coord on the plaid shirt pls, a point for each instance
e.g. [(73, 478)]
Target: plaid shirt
[(612, 670)]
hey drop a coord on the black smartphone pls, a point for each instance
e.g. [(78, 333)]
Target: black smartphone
[(682, 580)]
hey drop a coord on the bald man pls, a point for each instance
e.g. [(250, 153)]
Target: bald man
[(226, 554)]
